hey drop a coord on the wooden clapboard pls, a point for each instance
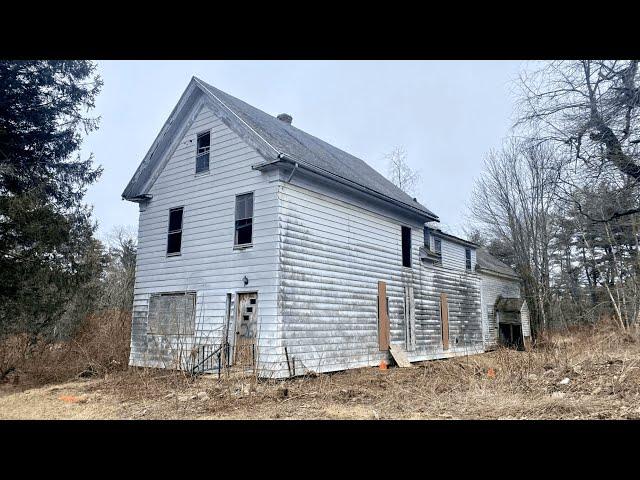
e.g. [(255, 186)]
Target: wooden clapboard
[(400, 356)]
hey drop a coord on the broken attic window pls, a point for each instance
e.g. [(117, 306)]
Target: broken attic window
[(202, 152)]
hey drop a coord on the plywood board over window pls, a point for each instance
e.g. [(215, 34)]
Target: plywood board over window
[(444, 320), (172, 314), (383, 317)]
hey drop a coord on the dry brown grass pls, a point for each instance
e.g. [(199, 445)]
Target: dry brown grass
[(100, 346), (602, 366)]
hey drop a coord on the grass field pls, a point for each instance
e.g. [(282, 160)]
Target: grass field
[(584, 373)]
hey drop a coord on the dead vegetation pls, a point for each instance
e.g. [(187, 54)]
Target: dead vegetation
[(100, 346), (581, 373)]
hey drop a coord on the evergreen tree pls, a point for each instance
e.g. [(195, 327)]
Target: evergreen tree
[(46, 233)]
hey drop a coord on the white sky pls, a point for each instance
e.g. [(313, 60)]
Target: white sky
[(447, 115)]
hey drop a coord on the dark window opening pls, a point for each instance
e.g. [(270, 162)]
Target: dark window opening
[(244, 219), (437, 245), (202, 152), (427, 239), (467, 253), (174, 239), (406, 247), (511, 336), (437, 249), (252, 301)]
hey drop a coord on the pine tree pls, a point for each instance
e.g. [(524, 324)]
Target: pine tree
[(46, 232)]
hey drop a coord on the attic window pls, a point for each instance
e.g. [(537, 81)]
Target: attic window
[(406, 247), (244, 219), (202, 152), (467, 253), (427, 239), (174, 239)]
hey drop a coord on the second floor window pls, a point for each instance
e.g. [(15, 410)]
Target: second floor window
[(174, 238), (406, 247), (202, 152), (244, 219), (437, 245), (467, 254), (427, 239)]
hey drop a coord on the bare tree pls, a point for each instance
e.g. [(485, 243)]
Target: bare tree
[(400, 173), (591, 108), (512, 201)]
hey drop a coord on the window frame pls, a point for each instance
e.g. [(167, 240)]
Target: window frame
[(427, 238), (437, 242), (173, 232), (467, 259), (207, 152), (187, 330), (403, 229), (241, 246)]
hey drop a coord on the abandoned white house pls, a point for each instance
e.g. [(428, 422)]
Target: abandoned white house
[(267, 246)]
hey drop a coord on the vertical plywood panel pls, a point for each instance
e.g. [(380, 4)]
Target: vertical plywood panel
[(383, 317), (444, 320)]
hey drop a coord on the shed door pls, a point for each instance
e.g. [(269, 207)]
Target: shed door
[(246, 329), (444, 320), (383, 317)]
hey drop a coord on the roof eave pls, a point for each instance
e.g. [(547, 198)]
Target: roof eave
[(283, 157)]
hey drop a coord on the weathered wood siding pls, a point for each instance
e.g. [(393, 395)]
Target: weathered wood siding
[(492, 287), (453, 255), (208, 264), (333, 253)]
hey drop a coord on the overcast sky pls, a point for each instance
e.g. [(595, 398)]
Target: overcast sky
[(446, 114)]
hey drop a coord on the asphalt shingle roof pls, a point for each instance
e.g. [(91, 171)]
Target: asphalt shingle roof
[(486, 261), (290, 140)]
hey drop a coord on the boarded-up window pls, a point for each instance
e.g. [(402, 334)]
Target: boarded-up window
[(444, 320), (383, 317), (172, 314), (244, 219), (406, 247)]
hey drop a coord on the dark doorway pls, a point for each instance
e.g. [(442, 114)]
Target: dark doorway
[(511, 336)]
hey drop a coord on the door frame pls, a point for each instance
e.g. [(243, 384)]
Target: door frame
[(236, 326)]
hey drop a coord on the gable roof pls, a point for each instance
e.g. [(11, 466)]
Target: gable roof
[(487, 262), (278, 139)]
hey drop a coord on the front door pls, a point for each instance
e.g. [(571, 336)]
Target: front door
[(246, 329)]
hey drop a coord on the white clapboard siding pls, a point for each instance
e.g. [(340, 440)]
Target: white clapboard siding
[(208, 263), (453, 254), (332, 255), (492, 287)]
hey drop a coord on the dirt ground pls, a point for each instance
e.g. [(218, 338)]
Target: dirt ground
[(583, 374)]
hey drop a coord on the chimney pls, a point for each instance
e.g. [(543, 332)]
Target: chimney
[(285, 117)]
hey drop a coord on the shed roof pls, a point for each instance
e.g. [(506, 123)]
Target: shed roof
[(282, 138), (487, 262)]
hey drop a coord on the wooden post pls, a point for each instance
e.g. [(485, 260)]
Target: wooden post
[(383, 317), (444, 320)]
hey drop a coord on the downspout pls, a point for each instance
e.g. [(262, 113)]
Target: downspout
[(282, 157), (292, 172)]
